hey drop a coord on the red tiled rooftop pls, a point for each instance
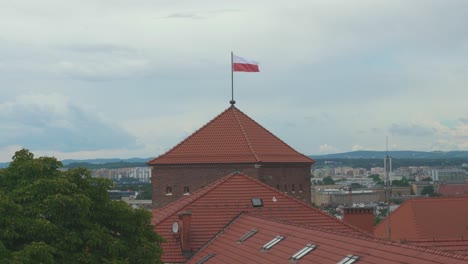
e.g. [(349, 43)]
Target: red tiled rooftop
[(459, 246), (214, 206), (453, 189), (231, 137), (332, 246), (428, 219)]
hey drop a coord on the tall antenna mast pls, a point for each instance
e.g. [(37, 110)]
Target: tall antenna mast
[(388, 183)]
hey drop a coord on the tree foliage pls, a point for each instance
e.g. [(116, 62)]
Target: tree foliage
[(50, 216), (428, 190), (328, 181)]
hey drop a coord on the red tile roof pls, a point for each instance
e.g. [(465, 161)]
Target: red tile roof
[(427, 219), (214, 206), (332, 246), (231, 137), (459, 246), (453, 189)]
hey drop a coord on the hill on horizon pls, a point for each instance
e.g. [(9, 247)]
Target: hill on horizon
[(397, 154), (360, 154)]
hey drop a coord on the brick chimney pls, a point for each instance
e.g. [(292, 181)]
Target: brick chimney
[(360, 217), (184, 226)]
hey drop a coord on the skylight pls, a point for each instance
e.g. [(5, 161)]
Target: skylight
[(248, 235), (303, 252), (257, 202), (205, 258), (349, 259), (272, 242)]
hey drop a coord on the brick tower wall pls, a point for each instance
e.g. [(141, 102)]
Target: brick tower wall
[(290, 178), (193, 176), (278, 175)]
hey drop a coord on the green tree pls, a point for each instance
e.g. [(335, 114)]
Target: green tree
[(401, 183), (356, 185), (375, 177), (427, 179), (328, 181), (428, 190), (50, 216)]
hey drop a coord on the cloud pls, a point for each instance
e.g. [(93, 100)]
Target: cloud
[(464, 120), (200, 14), (326, 149), (100, 62), (357, 147), (52, 121), (410, 130)]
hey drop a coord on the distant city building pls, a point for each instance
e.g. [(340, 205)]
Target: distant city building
[(323, 197), (139, 174), (448, 175)]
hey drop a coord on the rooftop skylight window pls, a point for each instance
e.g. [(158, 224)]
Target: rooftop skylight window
[(248, 235), (273, 242), (349, 259), (205, 258), (303, 252), (257, 202)]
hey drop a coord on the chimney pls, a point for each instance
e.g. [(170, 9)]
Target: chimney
[(360, 217), (184, 225)]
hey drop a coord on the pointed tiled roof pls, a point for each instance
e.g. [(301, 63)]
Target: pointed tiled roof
[(453, 189), (231, 137), (331, 246), (427, 219), (214, 206)]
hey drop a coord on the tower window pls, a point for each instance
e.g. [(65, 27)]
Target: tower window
[(186, 190), (168, 190), (285, 188), (293, 188), (300, 187), (277, 186)]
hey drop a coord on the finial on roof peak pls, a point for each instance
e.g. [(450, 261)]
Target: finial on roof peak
[(232, 102)]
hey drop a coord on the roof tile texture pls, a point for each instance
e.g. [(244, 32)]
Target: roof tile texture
[(219, 203), (428, 219), (453, 189), (331, 246), (231, 137)]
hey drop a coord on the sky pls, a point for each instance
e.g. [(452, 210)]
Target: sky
[(120, 79)]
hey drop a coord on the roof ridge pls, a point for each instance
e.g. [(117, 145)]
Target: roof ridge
[(356, 236), (313, 161), (413, 217), (245, 134), (184, 201), (191, 135), (303, 203), (218, 234), (390, 213)]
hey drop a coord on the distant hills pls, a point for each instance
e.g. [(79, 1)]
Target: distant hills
[(400, 154), (104, 161), (361, 154), (100, 163)]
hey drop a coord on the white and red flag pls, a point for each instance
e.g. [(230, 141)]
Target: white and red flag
[(241, 64)]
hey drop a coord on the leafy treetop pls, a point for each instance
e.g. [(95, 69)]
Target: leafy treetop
[(50, 216)]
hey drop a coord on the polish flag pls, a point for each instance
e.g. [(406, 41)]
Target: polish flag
[(244, 65)]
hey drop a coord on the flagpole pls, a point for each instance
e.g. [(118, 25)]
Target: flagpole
[(232, 80)]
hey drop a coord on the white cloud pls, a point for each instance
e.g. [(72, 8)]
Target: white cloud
[(41, 121), (327, 149), (340, 72)]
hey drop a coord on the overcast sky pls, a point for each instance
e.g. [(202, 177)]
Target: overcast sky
[(114, 78)]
